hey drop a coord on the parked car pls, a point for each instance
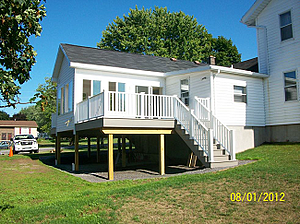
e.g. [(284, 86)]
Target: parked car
[(25, 143), (5, 144)]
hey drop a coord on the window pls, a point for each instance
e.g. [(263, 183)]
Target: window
[(96, 87), (184, 91), (290, 86), (58, 101), (142, 89), (86, 89), (286, 29), (121, 87), (66, 106), (70, 96), (240, 94), (112, 86), (62, 108)]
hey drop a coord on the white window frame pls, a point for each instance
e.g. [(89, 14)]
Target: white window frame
[(297, 85), (183, 99), (240, 94), (290, 24)]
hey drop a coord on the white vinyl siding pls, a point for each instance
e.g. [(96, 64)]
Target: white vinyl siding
[(199, 85), (281, 57), (236, 113), (65, 78)]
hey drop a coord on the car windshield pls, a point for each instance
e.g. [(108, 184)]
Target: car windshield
[(19, 137)]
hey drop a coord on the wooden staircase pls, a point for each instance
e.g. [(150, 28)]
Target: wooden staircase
[(220, 157)]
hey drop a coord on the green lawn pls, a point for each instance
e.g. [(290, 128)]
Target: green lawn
[(32, 192)]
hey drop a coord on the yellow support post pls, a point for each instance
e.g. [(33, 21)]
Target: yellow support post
[(98, 149), (162, 155), (58, 149), (76, 152), (110, 157), (123, 151)]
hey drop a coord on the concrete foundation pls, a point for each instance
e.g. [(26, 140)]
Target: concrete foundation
[(247, 137), (283, 133)]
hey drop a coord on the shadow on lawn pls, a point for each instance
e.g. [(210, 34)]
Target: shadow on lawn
[(90, 166)]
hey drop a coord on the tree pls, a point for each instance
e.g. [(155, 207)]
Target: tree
[(19, 117), (158, 32), (225, 52), (161, 33), (4, 115), (45, 104), (19, 20)]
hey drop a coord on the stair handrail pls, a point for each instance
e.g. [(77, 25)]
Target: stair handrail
[(202, 108), (181, 113), (221, 133), (193, 126), (201, 136)]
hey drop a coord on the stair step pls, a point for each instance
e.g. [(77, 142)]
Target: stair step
[(227, 163), (221, 158), (219, 152)]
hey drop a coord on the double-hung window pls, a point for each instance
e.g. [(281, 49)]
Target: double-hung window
[(290, 86), (185, 91), (286, 29), (240, 94)]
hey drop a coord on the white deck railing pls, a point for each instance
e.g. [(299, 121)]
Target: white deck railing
[(125, 105)]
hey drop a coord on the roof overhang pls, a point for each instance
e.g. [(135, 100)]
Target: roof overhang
[(58, 62), (251, 15), (218, 69), (115, 69)]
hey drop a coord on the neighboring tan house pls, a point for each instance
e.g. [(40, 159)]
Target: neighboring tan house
[(158, 103), (277, 23), (9, 128)]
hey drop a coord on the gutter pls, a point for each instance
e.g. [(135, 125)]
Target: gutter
[(218, 70)]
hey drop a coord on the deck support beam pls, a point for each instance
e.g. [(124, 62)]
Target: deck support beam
[(98, 149), (110, 157), (89, 147), (76, 152), (57, 150), (123, 151), (162, 155)]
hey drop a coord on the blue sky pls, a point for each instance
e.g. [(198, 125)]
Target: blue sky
[(82, 23)]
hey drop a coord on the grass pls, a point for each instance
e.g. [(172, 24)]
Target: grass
[(32, 192)]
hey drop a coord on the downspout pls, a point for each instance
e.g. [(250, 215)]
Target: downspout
[(212, 91)]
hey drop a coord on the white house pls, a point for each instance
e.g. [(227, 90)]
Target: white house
[(9, 128), (277, 23), (211, 110)]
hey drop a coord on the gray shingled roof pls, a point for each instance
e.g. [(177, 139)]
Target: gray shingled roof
[(95, 56), (249, 65)]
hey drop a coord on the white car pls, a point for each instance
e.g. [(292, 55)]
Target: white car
[(25, 143)]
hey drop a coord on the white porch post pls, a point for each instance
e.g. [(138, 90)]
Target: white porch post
[(211, 145), (106, 103), (142, 105), (232, 145)]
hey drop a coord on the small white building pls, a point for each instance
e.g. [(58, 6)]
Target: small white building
[(277, 23), (10, 128)]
